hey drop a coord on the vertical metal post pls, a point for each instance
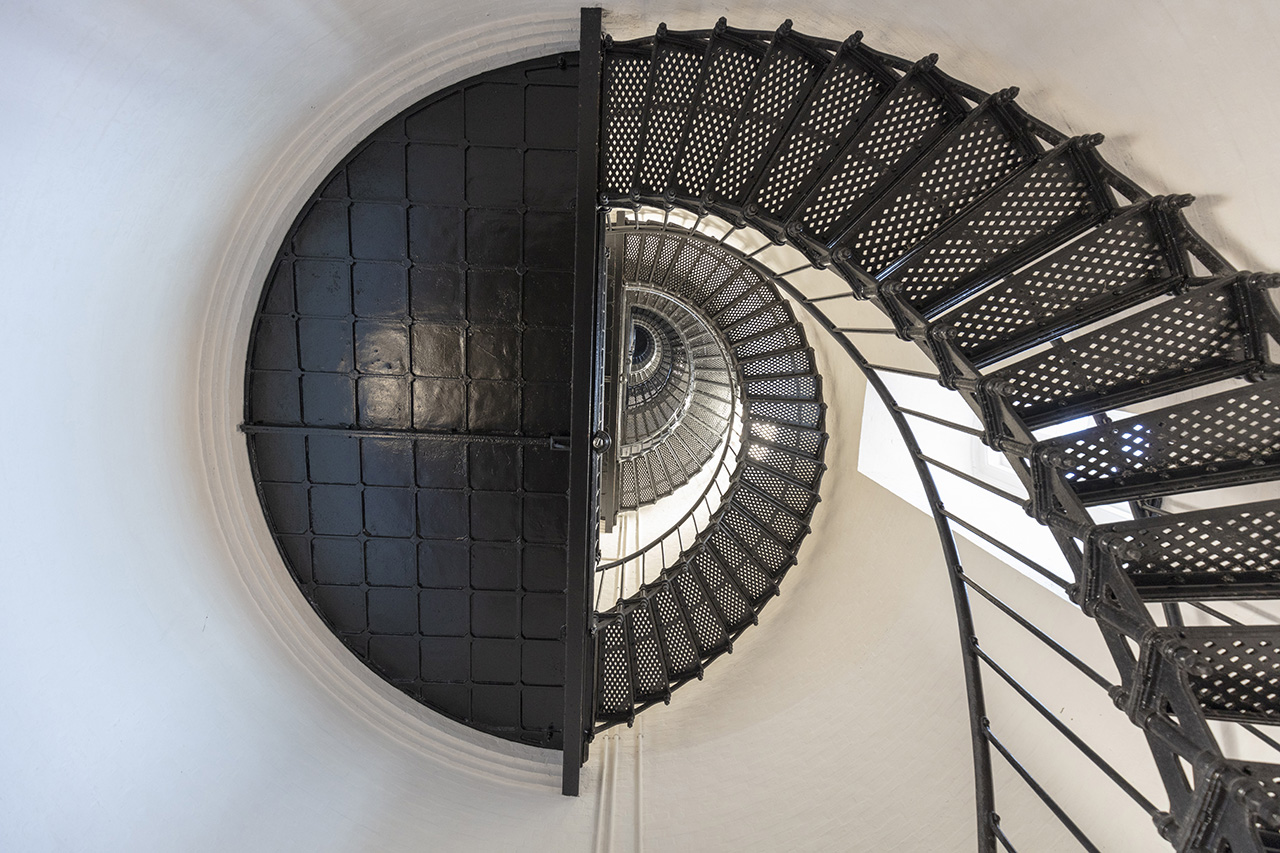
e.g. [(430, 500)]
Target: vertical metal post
[(617, 344), (587, 307)]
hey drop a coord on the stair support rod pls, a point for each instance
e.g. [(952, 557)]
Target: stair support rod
[(969, 478), (903, 371), (1044, 796), (1216, 614), (1003, 839), (976, 433), (1017, 555), (984, 789), (1260, 736), (1039, 635), (1110, 772)]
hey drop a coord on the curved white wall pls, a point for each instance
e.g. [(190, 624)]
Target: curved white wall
[(161, 691)]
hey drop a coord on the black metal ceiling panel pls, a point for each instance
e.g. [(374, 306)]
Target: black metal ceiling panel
[(408, 369)]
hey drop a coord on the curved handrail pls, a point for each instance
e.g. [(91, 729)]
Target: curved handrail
[(730, 435)]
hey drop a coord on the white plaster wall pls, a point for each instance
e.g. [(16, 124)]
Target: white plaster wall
[(164, 689)]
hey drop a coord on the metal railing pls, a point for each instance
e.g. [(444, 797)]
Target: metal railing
[(624, 576)]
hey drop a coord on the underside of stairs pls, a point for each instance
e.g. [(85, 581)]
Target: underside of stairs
[(1044, 286), (686, 614)]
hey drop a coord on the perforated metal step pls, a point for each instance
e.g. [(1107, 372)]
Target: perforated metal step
[(1204, 336), (1222, 553), (1223, 439)]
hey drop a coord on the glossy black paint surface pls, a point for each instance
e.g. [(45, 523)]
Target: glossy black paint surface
[(408, 368)]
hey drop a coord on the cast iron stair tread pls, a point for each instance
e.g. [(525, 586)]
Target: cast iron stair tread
[(1228, 552), (783, 365), (779, 520), (782, 85), (787, 451), (782, 336), (990, 145), (652, 678), (1233, 672), (804, 386), (850, 87), (1200, 337), (614, 693), (753, 577), (626, 77), (768, 553), (669, 92), (797, 412), (799, 470), (1127, 260), (678, 645), (770, 331), (1222, 439), (799, 500), (903, 126), (730, 64), (787, 337), (746, 303), (733, 605), (746, 282), (710, 634), (1044, 204), (795, 360), (799, 440)]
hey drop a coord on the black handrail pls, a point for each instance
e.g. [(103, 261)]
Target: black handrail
[(984, 790)]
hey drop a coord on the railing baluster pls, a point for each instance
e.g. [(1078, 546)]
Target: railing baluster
[(1043, 794), (1030, 563), (1260, 736), (995, 490), (1110, 772), (977, 433), (903, 371), (1004, 841), (1215, 613), (1040, 635)]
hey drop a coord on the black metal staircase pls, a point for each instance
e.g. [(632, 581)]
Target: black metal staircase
[(1044, 286), (684, 614)]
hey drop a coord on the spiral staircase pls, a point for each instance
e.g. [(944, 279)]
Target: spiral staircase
[(1043, 286), (682, 616), (677, 399)]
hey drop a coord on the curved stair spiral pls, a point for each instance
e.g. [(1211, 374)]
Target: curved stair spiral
[(1044, 286), (678, 398), (685, 615)]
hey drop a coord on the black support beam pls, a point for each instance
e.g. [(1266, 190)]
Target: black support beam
[(587, 308)]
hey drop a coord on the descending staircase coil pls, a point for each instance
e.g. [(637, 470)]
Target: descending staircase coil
[(689, 613), (679, 397), (1044, 286)]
